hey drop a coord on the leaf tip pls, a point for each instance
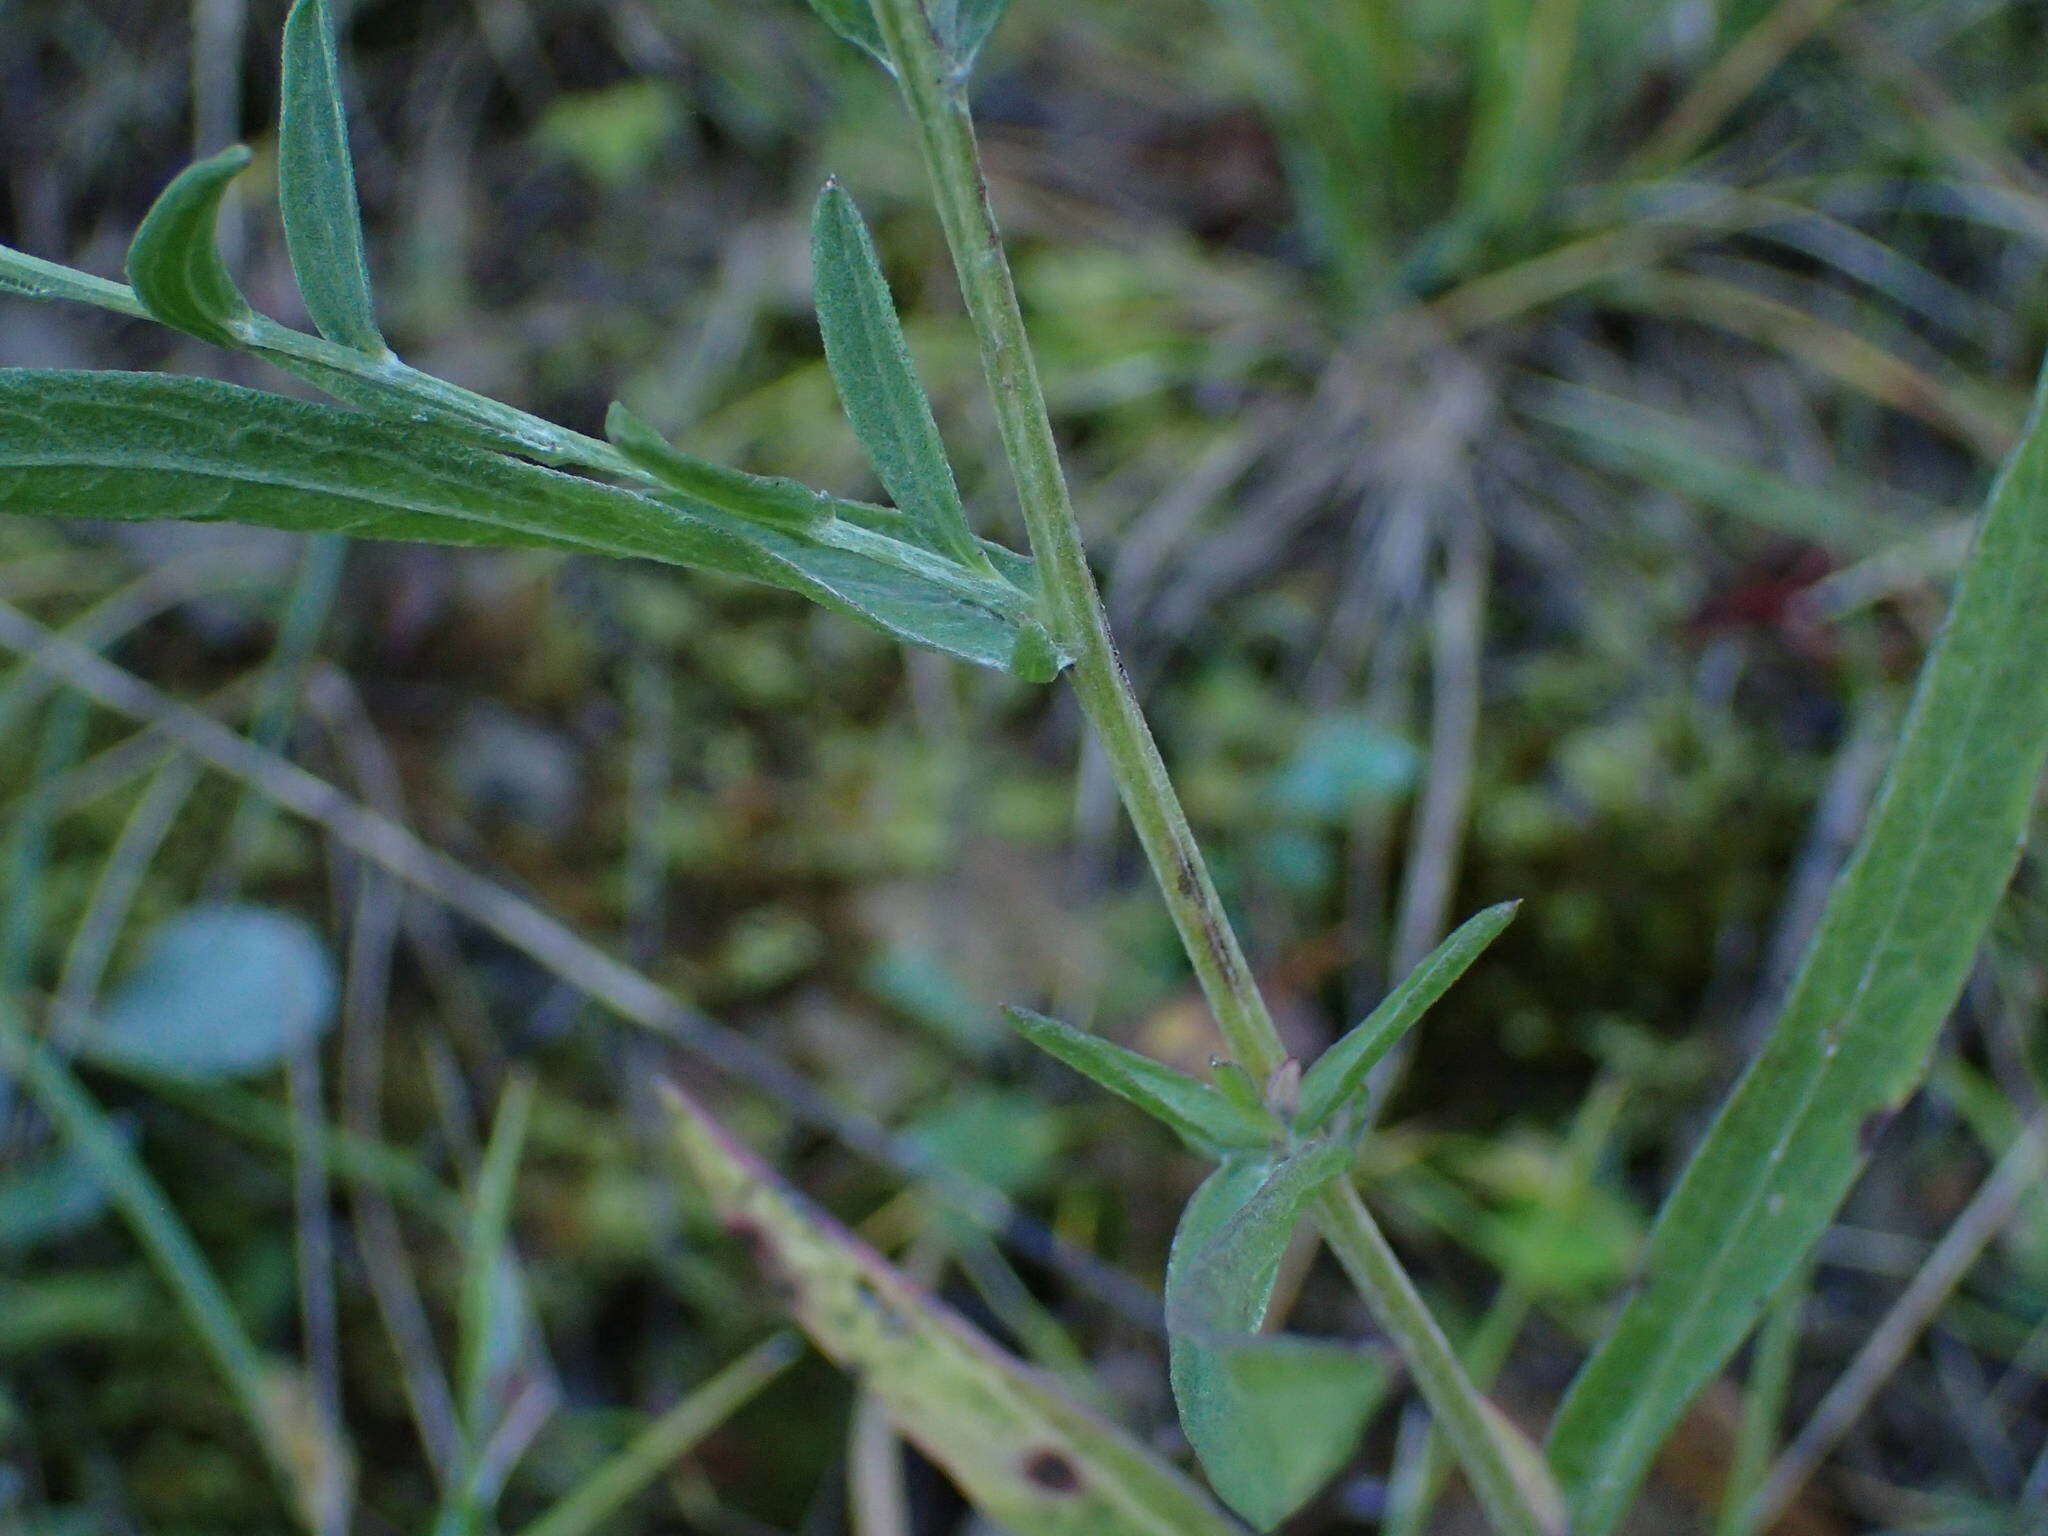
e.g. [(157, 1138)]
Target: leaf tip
[(622, 426)]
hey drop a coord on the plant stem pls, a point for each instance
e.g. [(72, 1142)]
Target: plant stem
[(934, 91), (1508, 1478), (1074, 607)]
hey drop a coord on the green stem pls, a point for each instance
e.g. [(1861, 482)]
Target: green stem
[(1508, 1478), (169, 1245), (934, 92), (594, 1501)]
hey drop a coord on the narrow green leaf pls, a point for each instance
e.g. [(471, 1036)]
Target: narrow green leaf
[(1890, 956), (854, 20), (488, 1327), (877, 382), (1237, 1085), (1340, 1071), (491, 1320), (1026, 1456), (599, 1497), (148, 446), (316, 184), (1271, 1416), (174, 261), (251, 1380), (1202, 1116), (778, 502), (1636, 439)]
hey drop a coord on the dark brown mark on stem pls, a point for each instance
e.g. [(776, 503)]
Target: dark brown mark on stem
[(1050, 1470)]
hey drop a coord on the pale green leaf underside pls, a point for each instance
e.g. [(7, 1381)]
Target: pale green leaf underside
[(1197, 1112), (1271, 1417), (316, 184), (146, 446), (1341, 1071), (877, 382), (1893, 949), (174, 261), (1028, 1458), (221, 990)]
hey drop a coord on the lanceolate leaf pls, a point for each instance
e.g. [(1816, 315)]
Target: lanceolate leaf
[(174, 262), (1198, 1112), (870, 363), (147, 446), (1028, 1458), (1340, 1071), (316, 184), (854, 20), (1887, 963), (778, 502), (1271, 1417)]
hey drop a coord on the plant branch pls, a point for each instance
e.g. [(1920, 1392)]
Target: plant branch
[(935, 96), (934, 91), (1505, 1471)]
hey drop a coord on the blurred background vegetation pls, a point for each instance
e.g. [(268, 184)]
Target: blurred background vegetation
[(1525, 444)]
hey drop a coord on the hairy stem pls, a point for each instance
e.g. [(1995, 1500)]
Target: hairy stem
[(935, 95), (1074, 608), (1508, 1479)]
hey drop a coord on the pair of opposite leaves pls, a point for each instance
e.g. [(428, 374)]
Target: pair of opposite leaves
[(1270, 1416)]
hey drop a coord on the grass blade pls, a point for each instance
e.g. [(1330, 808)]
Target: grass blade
[(667, 1440), (148, 446), (1888, 961), (1271, 1417), (1631, 438), (1026, 1456), (1341, 1070), (174, 261), (1198, 1113), (877, 382), (163, 1237), (490, 1325), (316, 185), (486, 1253), (25, 846)]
